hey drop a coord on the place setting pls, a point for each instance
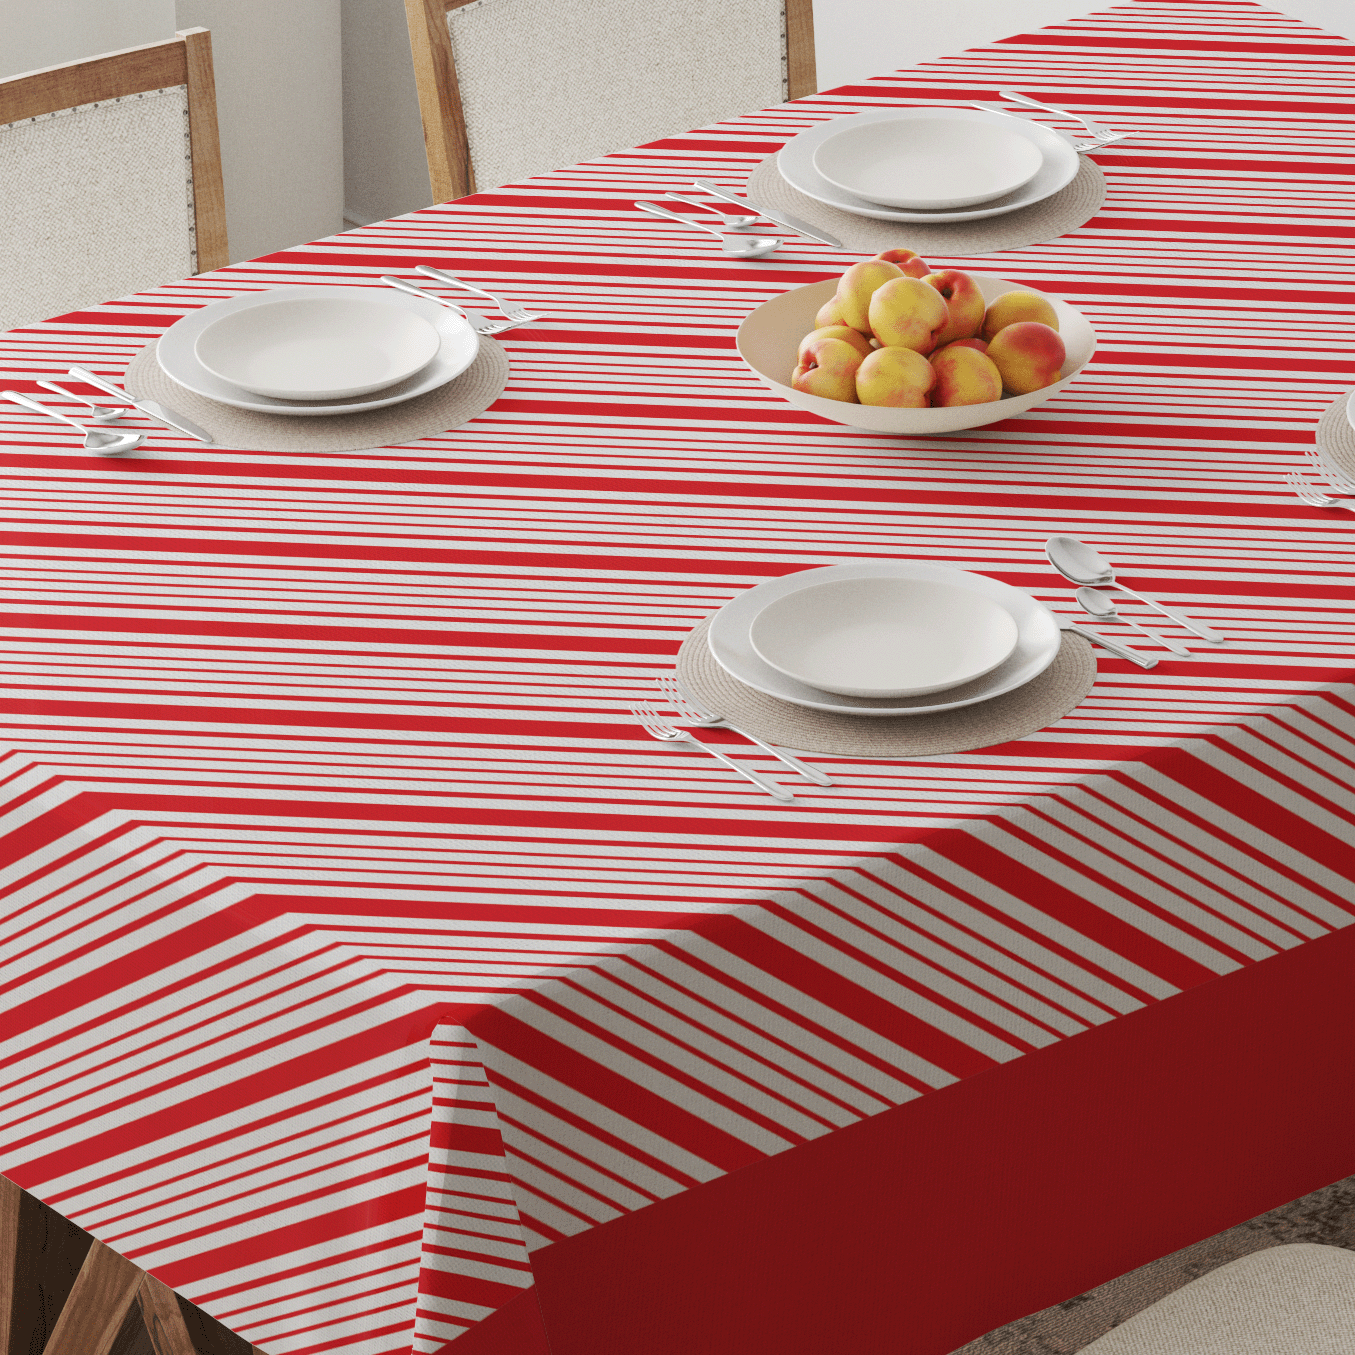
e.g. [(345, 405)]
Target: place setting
[(306, 369), (963, 180), (897, 658)]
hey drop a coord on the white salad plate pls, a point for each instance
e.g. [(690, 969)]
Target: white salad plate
[(796, 165), (1037, 641), (459, 344), (928, 164), (317, 347), (883, 637)]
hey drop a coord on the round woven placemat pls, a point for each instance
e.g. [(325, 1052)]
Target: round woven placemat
[(1049, 697), (1336, 438), (1065, 211), (460, 400)]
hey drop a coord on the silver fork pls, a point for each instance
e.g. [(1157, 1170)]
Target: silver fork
[(477, 322), (1315, 497), (689, 711), (1079, 146), (517, 314), (1102, 134), (656, 728)]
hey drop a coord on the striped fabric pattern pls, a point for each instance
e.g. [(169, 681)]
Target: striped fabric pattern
[(358, 945)]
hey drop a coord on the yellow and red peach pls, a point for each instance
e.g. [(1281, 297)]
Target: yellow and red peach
[(964, 377), (859, 283), (846, 333), (1013, 307), (963, 301), (906, 313), (827, 368), (1029, 355), (907, 260), (977, 344), (895, 377)]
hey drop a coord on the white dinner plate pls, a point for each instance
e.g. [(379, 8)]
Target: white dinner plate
[(459, 345), (796, 164), (317, 347), (1037, 642), (884, 637), (928, 164)]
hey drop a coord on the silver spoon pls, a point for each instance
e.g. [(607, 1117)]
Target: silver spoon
[(730, 223), (1100, 605), (1079, 563), (104, 441), (736, 246), (99, 415)]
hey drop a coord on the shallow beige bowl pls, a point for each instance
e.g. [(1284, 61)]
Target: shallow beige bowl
[(769, 337)]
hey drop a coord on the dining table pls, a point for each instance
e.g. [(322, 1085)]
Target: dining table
[(373, 979)]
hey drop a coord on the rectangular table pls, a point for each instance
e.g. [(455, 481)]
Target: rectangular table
[(375, 982)]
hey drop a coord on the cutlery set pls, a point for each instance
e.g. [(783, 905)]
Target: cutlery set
[(863, 639), (184, 359), (107, 440), (816, 180)]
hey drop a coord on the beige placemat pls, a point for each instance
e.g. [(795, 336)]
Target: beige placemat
[(1065, 211), (460, 400), (1336, 438), (1049, 697)]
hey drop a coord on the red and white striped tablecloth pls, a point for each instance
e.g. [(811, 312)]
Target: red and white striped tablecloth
[(361, 955)]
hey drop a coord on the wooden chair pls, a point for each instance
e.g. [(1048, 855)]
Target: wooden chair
[(112, 174), (511, 88), (63, 1293)]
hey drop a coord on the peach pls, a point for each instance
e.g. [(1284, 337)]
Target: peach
[(912, 264), (906, 313), (858, 284), (827, 368), (829, 314), (978, 345), (1013, 307), (897, 377), (964, 377), (1028, 354), (844, 332), (963, 300)]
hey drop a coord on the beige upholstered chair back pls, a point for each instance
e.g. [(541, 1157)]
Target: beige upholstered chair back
[(512, 88), (112, 178)]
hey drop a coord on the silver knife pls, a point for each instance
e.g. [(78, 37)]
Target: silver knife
[(156, 411), (783, 218), (1119, 650)]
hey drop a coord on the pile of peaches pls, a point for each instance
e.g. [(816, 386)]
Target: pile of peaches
[(898, 334)]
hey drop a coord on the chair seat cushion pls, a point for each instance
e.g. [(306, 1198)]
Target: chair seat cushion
[(1297, 1299)]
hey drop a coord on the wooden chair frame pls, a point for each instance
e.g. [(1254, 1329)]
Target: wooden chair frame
[(95, 1306), (450, 172), (185, 59)]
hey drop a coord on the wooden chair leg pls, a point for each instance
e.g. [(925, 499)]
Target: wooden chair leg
[(163, 1317), (10, 1195), (103, 1292)]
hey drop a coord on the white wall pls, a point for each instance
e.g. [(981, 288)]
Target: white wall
[(279, 100), (37, 33), (385, 169)]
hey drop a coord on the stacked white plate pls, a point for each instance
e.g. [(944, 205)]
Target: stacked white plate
[(317, 350), (946, 637), (928, 164)]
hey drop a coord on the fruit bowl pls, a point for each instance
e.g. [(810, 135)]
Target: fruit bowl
[(768, 339)]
